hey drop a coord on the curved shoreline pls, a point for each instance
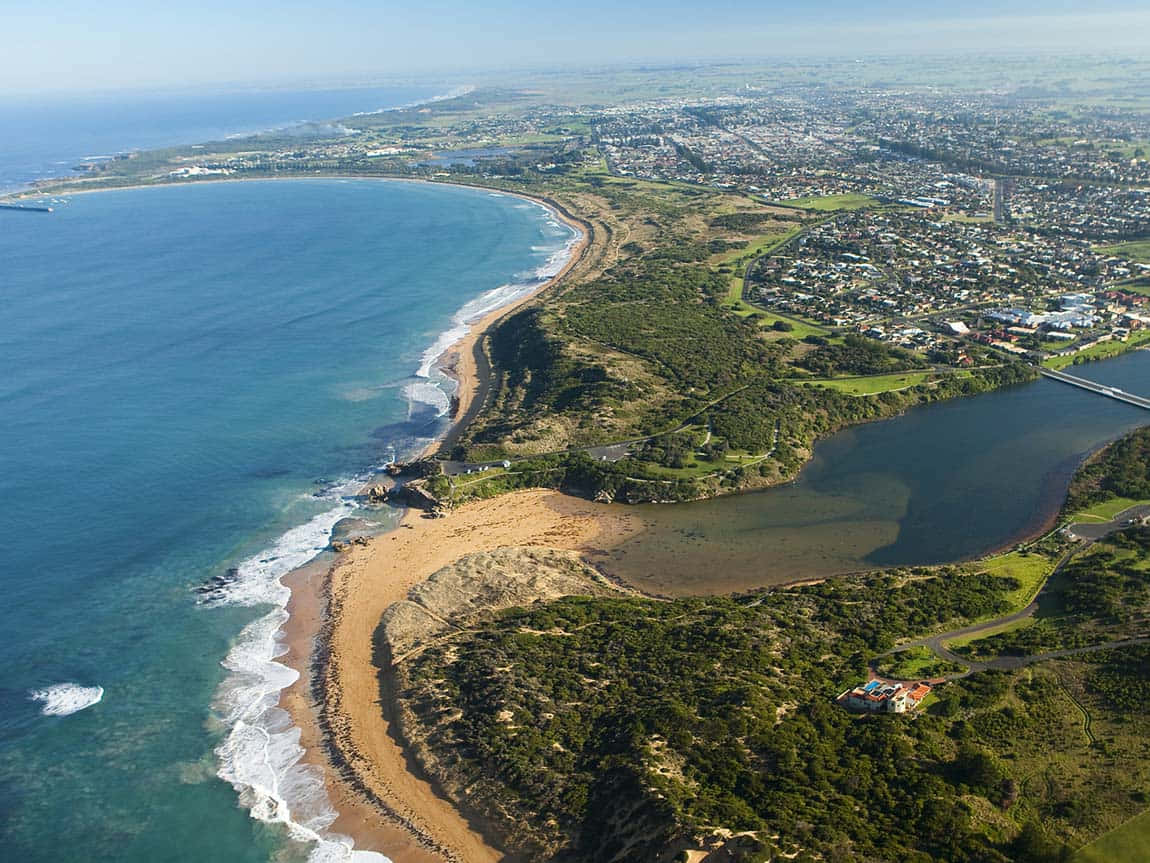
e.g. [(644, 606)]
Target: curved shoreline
[(360, 795), (381, 802), (376, 814)]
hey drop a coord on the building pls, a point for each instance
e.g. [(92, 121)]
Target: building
[(878, 696)]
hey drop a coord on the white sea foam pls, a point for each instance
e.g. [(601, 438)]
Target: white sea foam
[(260, 754), (454, 93), (494, 299), (64, 699)]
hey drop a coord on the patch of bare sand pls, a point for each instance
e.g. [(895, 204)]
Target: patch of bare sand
[(383, 804)]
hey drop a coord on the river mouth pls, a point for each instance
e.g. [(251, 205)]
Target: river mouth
[(944, 482)]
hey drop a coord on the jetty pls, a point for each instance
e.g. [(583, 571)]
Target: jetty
[(27, 208), (1100, 389)]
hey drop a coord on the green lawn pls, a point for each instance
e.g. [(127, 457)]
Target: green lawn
[(964, 640), (1106, 510), (831, 203), (1102, 351), (1030, 569), (741, 258), (800, 329), (1137, 250), (917, 662), (1129, 843), (870, 385)]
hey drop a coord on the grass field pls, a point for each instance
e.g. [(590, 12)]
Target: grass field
[(800, 328), (964, 640), (1028, 568), (917, 662), (870, 385), (1129, 843), (1100, 352), (1138, 250), (1135, 286), (1106, 510), (742, 258), (831, 203)]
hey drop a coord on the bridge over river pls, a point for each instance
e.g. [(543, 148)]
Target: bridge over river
[(1101, 389)]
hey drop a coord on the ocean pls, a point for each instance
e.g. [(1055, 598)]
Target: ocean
[(195, 380), (47, 136)]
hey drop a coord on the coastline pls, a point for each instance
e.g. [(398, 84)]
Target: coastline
[(383, 802), (380, 802)]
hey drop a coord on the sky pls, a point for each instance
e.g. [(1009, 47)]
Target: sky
[(74, 45)]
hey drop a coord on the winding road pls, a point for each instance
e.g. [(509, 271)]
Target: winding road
[(1088, 534)]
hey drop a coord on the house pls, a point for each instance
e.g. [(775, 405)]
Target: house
[(878, 696)]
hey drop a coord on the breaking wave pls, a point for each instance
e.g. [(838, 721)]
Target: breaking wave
[(64, 699), (261, 755)]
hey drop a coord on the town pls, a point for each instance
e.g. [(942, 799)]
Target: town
[(958, 224)]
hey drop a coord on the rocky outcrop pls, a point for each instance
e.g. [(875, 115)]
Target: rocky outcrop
[(415, 495), (415, 469)]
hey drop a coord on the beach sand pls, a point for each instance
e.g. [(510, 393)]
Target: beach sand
[(383, 805)]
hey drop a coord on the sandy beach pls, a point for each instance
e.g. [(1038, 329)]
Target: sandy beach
[(384, 806), (466, 362)]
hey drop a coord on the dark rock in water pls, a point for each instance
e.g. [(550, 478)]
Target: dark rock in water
[(377, 494), (215, 588), (454, 410), (339, 546)]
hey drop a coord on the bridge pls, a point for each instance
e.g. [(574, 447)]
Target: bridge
[(1101, 389)]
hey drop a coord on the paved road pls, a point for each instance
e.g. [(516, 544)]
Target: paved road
[(1096, 530), (1089, 533)]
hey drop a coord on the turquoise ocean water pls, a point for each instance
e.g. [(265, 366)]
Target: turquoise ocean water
[(193, 377)]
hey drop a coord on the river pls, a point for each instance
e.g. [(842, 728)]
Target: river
[(943, 482)]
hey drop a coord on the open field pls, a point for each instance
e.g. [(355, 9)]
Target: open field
[(831, 203), (1129, 843), (867, 386), (963, 640), (1106, 510), (800, 329), (1137, 250), (1029, 568), (917, 662), (1102, 351)]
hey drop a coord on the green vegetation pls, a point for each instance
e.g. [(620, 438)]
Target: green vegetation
[(858, 355), (1100, 351), (832, 203), (632, 729), (1137, 250), (1101, 595), (917, 663), (1116, 474), (1027, 567), (866, 386), (1106, 510), (1125, 844)]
